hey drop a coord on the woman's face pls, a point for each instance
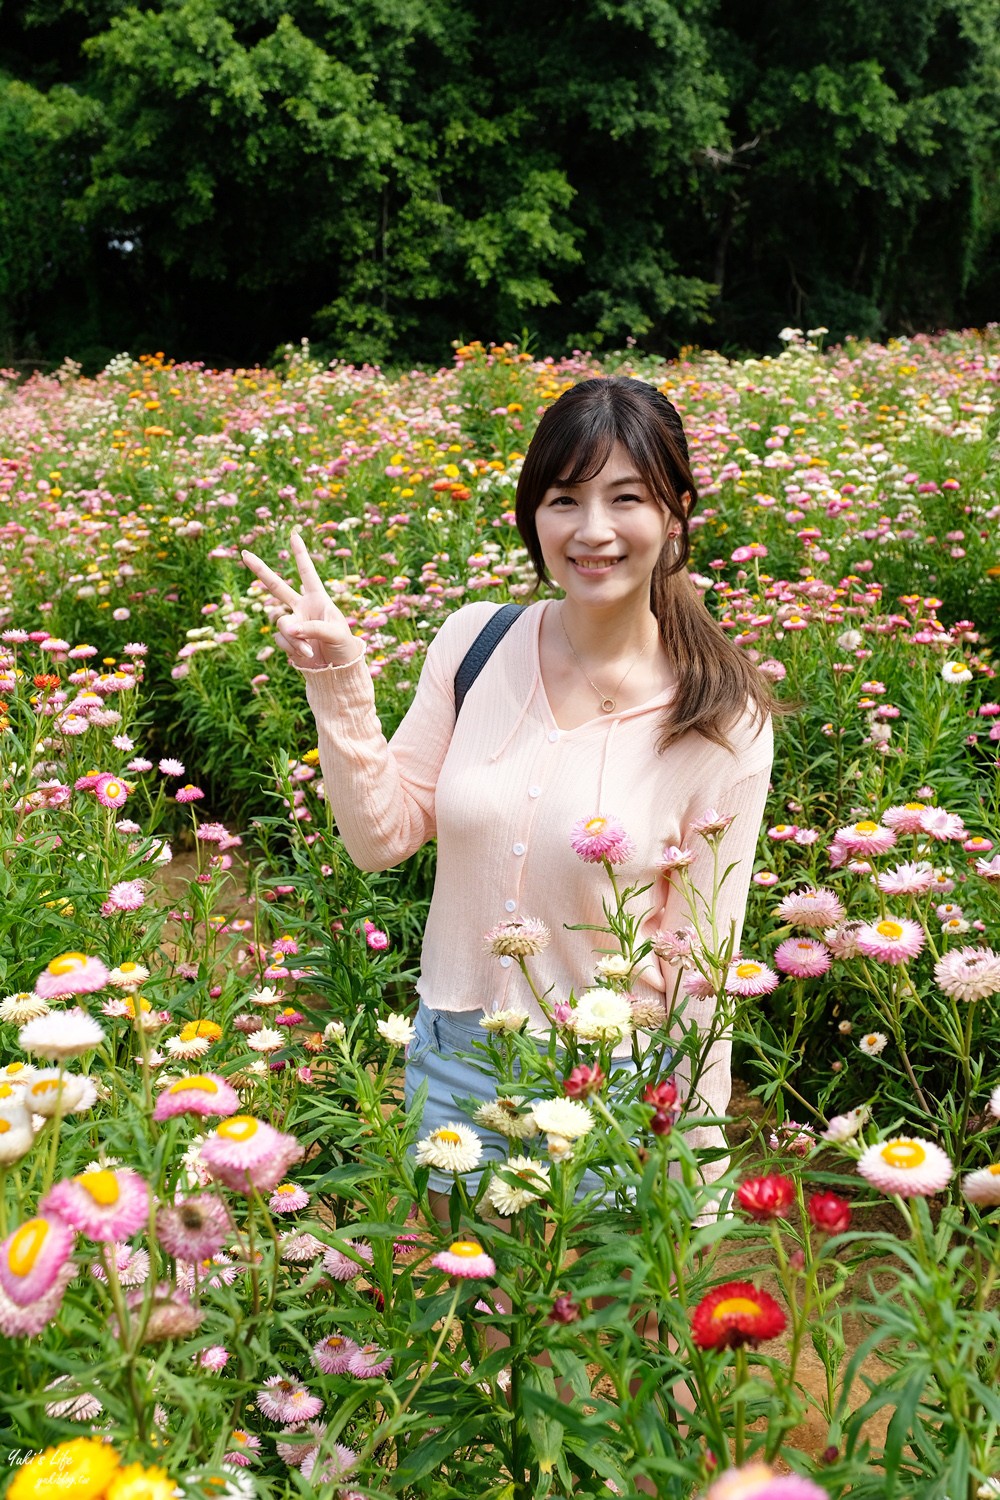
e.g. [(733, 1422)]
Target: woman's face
[(613, 519)]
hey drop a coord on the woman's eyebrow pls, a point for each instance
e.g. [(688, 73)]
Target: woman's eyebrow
[(612, 484)]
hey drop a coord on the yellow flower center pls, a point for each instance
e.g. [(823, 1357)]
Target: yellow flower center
[(871, 1039), (286, 1187), (994, 1170), (44, 1086), (447, 1137), (102, 1187), (199, 1081), (735, 1305), (4, 1126), (914, 806), (595, 825), (903, 1154), (67, 963), (6, 1091), (889, 930), (210, 1029), (239, 1436), (747, 970), (111, 788), (127, 968), (866, 827), (239, 1128), (12, 1069), (26, 1246), (467, 1249)]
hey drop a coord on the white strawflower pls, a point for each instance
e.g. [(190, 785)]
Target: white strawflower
[(969, 973), (128, 976), (499, 1022), (16, 1135), (267, 1039), (845, 1127), (563, 1117), (50, 1091), (397, 1030), (334, 1031), (533, 1183), (872, 1044), (189, 1048), (982, 1187), (602, 1016), (505, 1116), (61, 1034), (450, 1148), (265, 996), (22, 1007), (956, 671), (613, 966)]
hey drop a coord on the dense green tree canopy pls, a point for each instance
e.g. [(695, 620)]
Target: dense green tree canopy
[(217, 176)]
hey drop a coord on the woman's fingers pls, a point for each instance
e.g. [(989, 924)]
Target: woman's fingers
[(281, 590), (307, 568)]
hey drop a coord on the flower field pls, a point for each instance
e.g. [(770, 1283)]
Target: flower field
[(220, 1271)]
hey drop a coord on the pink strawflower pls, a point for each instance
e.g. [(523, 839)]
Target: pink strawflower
[(842, 941), (977, 845), (213, 1271), (865, 837), (802, 958), (171, 767), (369, 1362), (342, 1267), (244, 1153), (333, 1354), (597, 838), (71, 974), (126, 895), (294, 1445), (215, 1357), (300, 1247), (195, 1227), (894, 940), (172, 1314), (674, 858), (32, 1257), (131, 1265), (189, 793), (198, 1094), (811, 908), (110, 791), (942, 825), (103, 1205), (759, 1482), (969, 973), (782, 832), (765, 878), (330, 1468), (914, 878), (792, 1136), (711, 823), (75, 1405), (907, 1166), (287, 1197), (243, 1445), (748, 977), (287, 1401), (465, 1258), (905, 819), (989, 869), (24, 1321)]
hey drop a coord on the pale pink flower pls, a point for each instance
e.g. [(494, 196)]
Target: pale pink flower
[(193, 1227), (893, 940), (189, 793), (331, 1467), (71, 974), (674, 858), (865, 837), (911, 879), (842, 941), (127, 895), (74, 1404), (19, 1320), (300, 1247), (344, 1267), (213, 1271), (333, 1354), (287, 1401), (906, 818), (983, 1186), (465, 1258), (369, 1362), (845, 1127), (794, 1137), (294, 1445), (132, 1265), (910, 1167), (989, 869), (599, 838), (942, 825), (969, 973), (748, 977), (711, 823), (517, 939), (811, 908), (287, 1197), (215, 1357), (172, 1315), (243, 1446), (199, 1094), (171, 767), (802, 958), (757, 1481), (103, 1205), (244, 1153), (32, 1257)]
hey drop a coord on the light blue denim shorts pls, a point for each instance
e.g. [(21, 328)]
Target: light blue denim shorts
[(432, 1059)]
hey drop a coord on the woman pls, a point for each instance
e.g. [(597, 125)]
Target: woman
[(622, 699)]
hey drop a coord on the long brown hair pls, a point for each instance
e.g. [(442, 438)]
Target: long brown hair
[(716, 685)]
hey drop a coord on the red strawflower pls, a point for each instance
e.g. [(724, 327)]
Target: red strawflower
[(735, 1314), (829, 1213), (767, 1197), (661, 1095), (564, 1310), (584, 1081)]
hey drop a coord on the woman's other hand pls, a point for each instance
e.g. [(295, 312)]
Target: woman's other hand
[(315, 633)]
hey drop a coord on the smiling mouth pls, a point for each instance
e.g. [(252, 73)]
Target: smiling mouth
[(597, 566)]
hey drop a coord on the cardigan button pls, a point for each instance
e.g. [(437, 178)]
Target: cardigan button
[(553, 735), (517, 848), (506, 961), (510, 905), (534, 791)]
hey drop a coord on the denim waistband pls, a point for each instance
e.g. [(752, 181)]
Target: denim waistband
[(451, 1023)]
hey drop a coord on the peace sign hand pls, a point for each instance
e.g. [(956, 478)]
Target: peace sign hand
[(315, 633)]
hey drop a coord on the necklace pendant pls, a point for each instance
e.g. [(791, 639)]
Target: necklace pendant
[(608, 705)]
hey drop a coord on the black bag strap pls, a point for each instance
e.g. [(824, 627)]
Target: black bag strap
[(482, 649)]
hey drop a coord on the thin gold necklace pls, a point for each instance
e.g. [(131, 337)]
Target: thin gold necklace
[(607, 704)]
